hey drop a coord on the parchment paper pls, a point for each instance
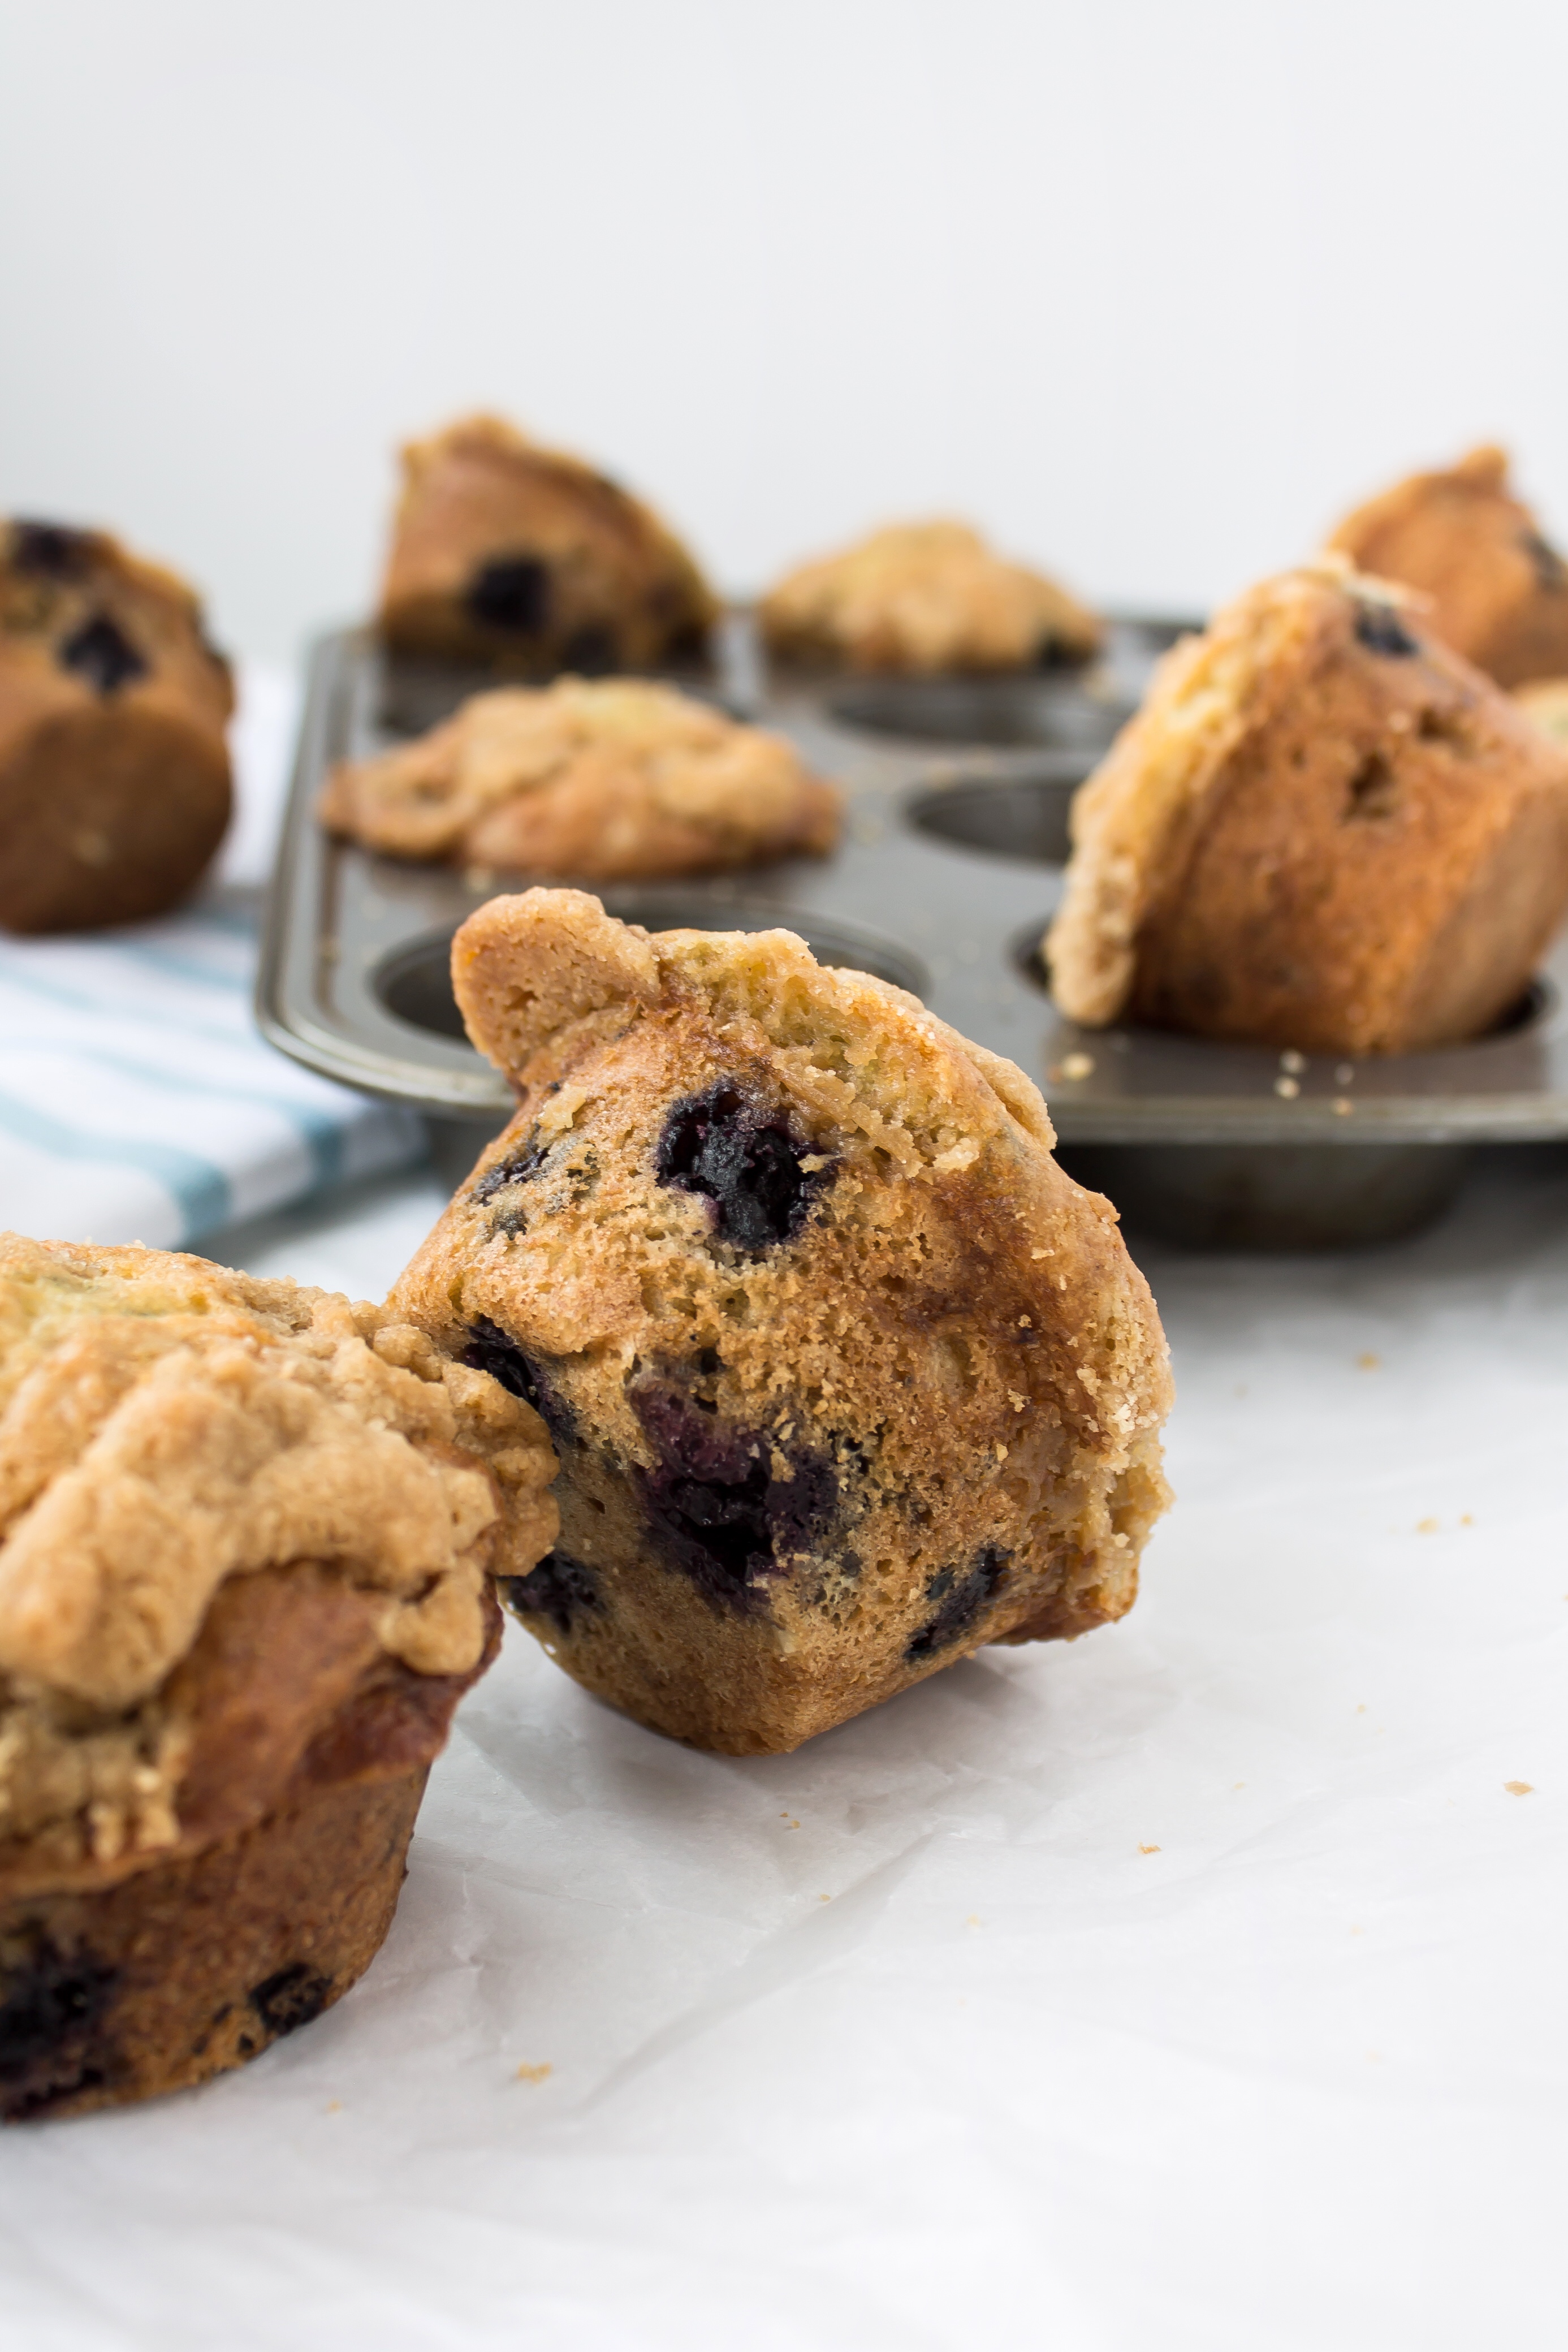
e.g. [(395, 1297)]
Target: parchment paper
[(1200, 1983)]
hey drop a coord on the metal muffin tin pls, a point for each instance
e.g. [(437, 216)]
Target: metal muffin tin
[(958, 793)]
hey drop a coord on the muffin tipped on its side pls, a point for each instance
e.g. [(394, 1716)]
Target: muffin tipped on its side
[(114, 770), (923, 598), (845, 1375), (615, 780), (246, 1533), (1498, 590), (1323, 830), (526, 561)]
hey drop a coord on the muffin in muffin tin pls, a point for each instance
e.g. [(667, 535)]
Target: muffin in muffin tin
[(526, 560), (609, 780), (1497, 589), (922, 600), (1325, 830)]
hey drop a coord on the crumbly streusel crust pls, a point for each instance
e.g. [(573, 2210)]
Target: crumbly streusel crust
[(114, 772), (845, 1375), (1498, 590), (530, 562), (924, 598), (246, 1534), (1325, 830), (609, 781)]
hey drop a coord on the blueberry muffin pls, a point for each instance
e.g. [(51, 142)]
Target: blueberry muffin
[(244, 1538), (528, 561), (114, 770), (846, 1377), (1323, 830), (1498, 590), (923, 598), (606, 780)]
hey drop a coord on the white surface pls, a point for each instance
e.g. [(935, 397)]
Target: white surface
[(1153, 291), (138, 1101), (1196, 1985)]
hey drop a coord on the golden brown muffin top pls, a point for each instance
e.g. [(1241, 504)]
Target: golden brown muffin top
[(1498, 590), (479, 483), (78, 606), (609, 778), (540, 974), (925, 597), (167, 1425)]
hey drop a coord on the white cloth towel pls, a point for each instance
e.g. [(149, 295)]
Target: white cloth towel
[(138, 1101)]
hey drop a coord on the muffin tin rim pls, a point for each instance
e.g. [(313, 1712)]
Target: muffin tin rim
[(446, 1078)]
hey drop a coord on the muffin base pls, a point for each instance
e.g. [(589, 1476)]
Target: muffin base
[(108, 815), (193, 1965)]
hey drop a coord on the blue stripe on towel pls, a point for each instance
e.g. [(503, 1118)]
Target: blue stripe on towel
[(82, 1000), (201, 1189), (319, 1132), (183, 967)]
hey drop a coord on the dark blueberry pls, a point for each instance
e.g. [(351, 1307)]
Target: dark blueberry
[(746, 1163), (687, 646), (1550, 569), (1372, 791), (511, 592), (102, 654), (959, 1600), (50, 2006), (722, 1515), (1447, 727), (688, 1440), (490, 1350), (559, 1588), (290, 1999), (1382, 631), (518, 1168), (592, 651), (50, 550)]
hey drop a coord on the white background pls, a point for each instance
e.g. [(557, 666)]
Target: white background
[(1151, 287)]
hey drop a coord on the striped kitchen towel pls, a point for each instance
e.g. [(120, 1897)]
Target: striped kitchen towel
[(138, 1101)]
